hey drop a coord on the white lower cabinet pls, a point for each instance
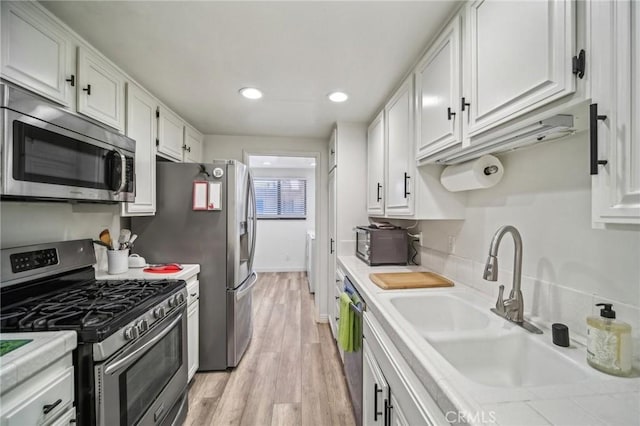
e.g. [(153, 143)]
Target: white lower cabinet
[(391, 392), (193, 326)]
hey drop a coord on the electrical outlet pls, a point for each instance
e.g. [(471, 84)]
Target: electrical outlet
[(452, 243)]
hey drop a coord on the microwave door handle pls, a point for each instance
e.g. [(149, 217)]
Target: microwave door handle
[(120, 364), (123, 172)]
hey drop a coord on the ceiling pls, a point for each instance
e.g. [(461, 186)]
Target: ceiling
[(196, 55), (272, 162)]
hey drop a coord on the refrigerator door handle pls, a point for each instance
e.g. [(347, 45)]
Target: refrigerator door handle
[(252, 280), (254, 224)]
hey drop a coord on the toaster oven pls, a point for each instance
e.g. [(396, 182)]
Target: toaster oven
[(382, 246)]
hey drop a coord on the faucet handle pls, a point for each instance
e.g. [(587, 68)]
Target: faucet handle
[(500, 301)]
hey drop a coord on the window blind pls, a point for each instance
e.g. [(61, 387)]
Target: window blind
[(281, 198)]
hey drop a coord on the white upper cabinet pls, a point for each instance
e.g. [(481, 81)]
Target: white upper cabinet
[(438, 91), (170, 134), (401, 163), (101, 89), (521, 58), (192, 145), (375, 166), (141, 126), (615, 120), (37, 53), (333, 150)]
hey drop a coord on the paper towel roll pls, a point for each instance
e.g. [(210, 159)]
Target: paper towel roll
[(484, 172)]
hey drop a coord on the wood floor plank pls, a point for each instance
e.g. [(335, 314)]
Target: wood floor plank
[(315, 408), (286, 415), (339, 399), (259, 405), (288, 387)]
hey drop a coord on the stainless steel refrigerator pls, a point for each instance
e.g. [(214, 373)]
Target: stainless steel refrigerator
[(205, 214)]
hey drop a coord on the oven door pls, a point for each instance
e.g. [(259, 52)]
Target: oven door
[(363, 244), (142, 383), (42, 160)]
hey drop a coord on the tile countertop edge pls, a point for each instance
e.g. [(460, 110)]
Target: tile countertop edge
[(25, 361), (188, 271), (449, 394)]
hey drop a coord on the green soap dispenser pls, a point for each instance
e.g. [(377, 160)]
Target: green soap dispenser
[(609, 342)]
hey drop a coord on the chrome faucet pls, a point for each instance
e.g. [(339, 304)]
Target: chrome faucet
[(511, 309)]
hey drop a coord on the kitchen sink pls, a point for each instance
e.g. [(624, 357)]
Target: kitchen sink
[(512, 360), (439, 313)]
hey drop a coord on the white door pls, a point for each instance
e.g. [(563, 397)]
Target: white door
[(101, 90), (375, 166), (193, 331), (521, 57), (400, 152), (193, 145), (36, 52), (438, 88), (374, 389), (616, 95), (141, 126), (170, 134), (332, 201)]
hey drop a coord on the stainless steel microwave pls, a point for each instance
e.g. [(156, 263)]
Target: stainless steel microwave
[(50, 153), (382, 246)]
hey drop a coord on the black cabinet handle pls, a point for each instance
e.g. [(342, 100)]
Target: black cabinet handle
[(387, 412), (49, 407), (332, 152), (406, 177), (376, 413), (464, 104), (87, 89), (450, 114), (378, 193), (593, 136), (331, 246), (71, 80)]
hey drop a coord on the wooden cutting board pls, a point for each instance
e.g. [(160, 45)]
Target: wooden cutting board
[(404, 280)]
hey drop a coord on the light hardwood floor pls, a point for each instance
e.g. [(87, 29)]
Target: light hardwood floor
[(291, 373)]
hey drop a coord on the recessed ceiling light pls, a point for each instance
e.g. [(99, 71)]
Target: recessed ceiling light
[(266, 163), (251, 93), (338, 96)]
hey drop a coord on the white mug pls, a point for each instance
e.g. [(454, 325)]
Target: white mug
[(117, 261)]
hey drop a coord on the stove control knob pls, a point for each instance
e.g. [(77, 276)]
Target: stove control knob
[(180, 298), (131, 333), (172, 302), (159, 312), (143, 326)]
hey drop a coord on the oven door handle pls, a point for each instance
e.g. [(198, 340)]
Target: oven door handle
[(118, 365), (356, 310)]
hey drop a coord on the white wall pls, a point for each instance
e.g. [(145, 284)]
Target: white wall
[(567, 265), (235, 147), (24, 223), (281, 244)]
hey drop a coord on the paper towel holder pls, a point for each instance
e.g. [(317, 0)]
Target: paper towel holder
[(490, 170)]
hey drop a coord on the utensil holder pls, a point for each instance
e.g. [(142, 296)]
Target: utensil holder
[(117, 261)]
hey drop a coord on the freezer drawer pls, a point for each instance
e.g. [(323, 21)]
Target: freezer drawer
[(239, 320)]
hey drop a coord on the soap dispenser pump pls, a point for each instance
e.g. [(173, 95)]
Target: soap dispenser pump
[(609, 342)]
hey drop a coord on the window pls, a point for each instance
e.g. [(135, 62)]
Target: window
[(284, 198)]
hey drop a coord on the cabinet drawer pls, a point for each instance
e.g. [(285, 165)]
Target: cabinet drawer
[(53, 397), (193, 289), (66, 418)]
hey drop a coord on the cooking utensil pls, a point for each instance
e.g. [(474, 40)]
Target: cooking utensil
[(100, 243), (123, 239), (105, 237)]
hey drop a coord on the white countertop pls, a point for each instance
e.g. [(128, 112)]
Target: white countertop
[(188, 271), (23, 362), (599, 399)]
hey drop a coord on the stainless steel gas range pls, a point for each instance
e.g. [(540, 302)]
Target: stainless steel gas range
[(131, 361)]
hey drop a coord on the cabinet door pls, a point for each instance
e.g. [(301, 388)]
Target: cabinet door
[(333, 154), (192, 145), (35, 52), (438, 88), (616, 92), (520, 57), (170, 134), (193, 332), (400, 152), (141, 126), (375, 166), (101, 90), (374, 389), (331, 261), (396, 416)]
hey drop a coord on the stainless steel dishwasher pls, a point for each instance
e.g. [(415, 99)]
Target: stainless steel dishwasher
[(353, 360)]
